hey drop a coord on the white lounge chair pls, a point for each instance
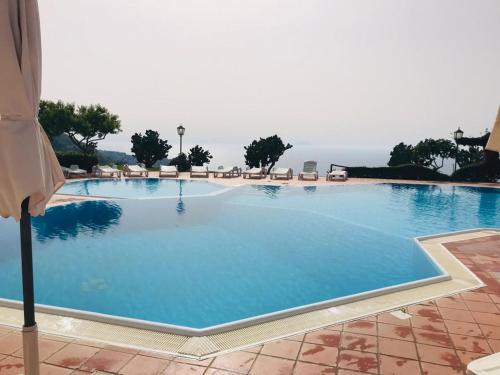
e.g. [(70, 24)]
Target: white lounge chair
[(281, 173), (309, 170), (336, 174), (169, 171), (236, 172), (135, 171), (105, 170), (74, 171), (255, 172), (198, 171), (223, 171)]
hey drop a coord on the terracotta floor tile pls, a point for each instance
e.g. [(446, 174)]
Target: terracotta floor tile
[(216, 371), (398, 366), (122, 349), (356, 341), (265, 365), (486, 318), (388, 318), (46, 348), (470, 344), (299, 337), (423, 336), (106, 360), (302, 368), (10, 343), (239, 362), (452, 303), (463, 328), (349, 372), (283, 348), (488, 307), (430, 324), (156, 354), (56, 338), (11, 366), (425, 311), (475, 296), (253, 349), (319, 354), (467, 357), (395, 332), (455, 314), (72, 355), (142, 365), (324, 337), (46, 369), (440, 356), (397, 348), (491, 332), (495, 298), (204, 362), (433, 369), (357, 361), (365, 327), (495, 345), (175, 368)]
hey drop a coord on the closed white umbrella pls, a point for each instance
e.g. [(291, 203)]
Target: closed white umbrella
[(29, 170), (494, 140)]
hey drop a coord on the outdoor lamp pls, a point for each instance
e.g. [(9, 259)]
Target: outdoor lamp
[(458, 134), (181, 130)]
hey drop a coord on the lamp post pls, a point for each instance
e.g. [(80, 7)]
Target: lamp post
[(457, 135), (181, 130)]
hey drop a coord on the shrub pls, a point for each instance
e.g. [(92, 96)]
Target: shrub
[(478, 172), (403, 172), (182, 163), (84, 162)]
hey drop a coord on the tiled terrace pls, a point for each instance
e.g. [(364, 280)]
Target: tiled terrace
[(440, 338)]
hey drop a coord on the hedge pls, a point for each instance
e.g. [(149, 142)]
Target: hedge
[(400, 172), (68, 158), (479, 172)]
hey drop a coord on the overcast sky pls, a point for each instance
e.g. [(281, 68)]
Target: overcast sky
[(345, 73)]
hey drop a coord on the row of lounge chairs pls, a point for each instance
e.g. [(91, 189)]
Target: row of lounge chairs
[(309, 171)]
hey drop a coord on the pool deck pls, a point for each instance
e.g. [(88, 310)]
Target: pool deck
[(440, 337)]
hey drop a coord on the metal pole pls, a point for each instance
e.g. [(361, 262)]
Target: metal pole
[(456, 154), (30, 331), (181, 144)]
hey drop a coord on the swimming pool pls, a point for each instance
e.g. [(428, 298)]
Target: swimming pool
[(140, 188), (209, 260)]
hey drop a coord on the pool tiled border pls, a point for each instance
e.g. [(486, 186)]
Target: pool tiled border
[(462, 279)]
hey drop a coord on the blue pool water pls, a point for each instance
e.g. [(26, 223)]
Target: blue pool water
[(203, 261), (139, 188)]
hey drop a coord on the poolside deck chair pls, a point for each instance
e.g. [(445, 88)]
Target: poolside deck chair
[(236, 171), (74, 171), (223, 171), (105, 171), (169, 171), (134, 171), (198, 171), (256, 172), (281, 173), (309, 170), (336, 174)]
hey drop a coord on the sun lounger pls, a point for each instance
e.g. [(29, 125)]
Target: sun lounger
[(255, 173), (336, 174), (309, 170), (198, 171), (74, 171), (281, 173), (169, 171), (223, 171), (236, 172), (105, 171), (135, 171)]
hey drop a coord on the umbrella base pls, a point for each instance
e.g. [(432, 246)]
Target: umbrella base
[(30, 349)]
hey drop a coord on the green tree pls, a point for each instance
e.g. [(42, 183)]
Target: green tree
[(149, 148), (56, 117), (433, 152), (469, 156), (265, 152), (199, 156), (182, 162), (85, 125), (401, 154)]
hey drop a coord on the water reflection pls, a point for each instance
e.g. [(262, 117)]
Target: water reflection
[(180, 208), (310, 189), (151, 185), (67, 221), (270, 191)]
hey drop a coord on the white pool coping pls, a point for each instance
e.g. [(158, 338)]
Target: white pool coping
[(238, 335)]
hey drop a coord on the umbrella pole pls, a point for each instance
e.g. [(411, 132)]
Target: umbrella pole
[(30, 330)]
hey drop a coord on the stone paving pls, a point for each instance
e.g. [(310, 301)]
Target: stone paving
[(440, 338)]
